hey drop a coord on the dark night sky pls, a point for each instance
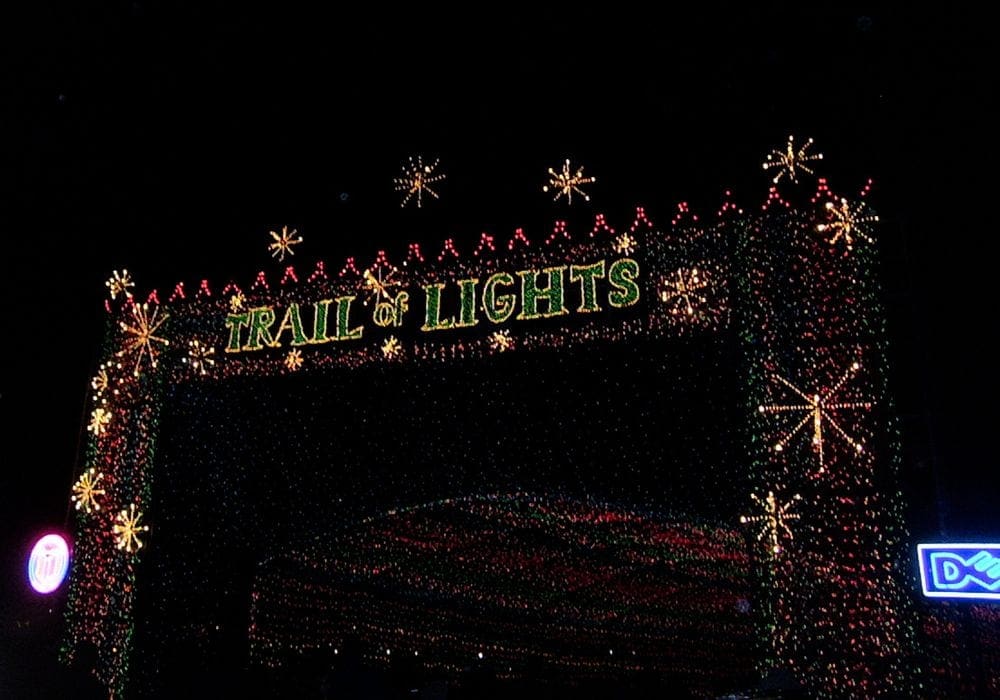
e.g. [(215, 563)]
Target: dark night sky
[(169, 138)]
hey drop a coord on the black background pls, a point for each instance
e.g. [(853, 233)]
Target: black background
[(168, 138)]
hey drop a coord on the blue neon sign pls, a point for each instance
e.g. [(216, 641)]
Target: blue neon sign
[(960, 570)]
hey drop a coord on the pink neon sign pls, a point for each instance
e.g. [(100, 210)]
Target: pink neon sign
[(48, 563)]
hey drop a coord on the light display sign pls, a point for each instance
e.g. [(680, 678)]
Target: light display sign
[(543, 448), (960, 570)]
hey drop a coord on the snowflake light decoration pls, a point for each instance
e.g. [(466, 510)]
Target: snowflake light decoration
[(848, 222), (283, 243), (126, 529), (120, 283), (417, 178), (199, 356), (789, 161), (680, 292), (625, 244), (818, 409), (391, 348), (501, 341), (236, 302), (142, 341), (774, 520), (293, 360), (566, 182), (86, 491), (99, 420)]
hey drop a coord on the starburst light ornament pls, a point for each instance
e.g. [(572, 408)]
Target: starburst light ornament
[(282, 243), (126, 529), (789, 161), (120, 283), (848, 222), (86, 491), (293, 360), (141, 339), (774, 520), (681, 292), (817, 409), (391, 348), (417, 179), (566, 182)]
